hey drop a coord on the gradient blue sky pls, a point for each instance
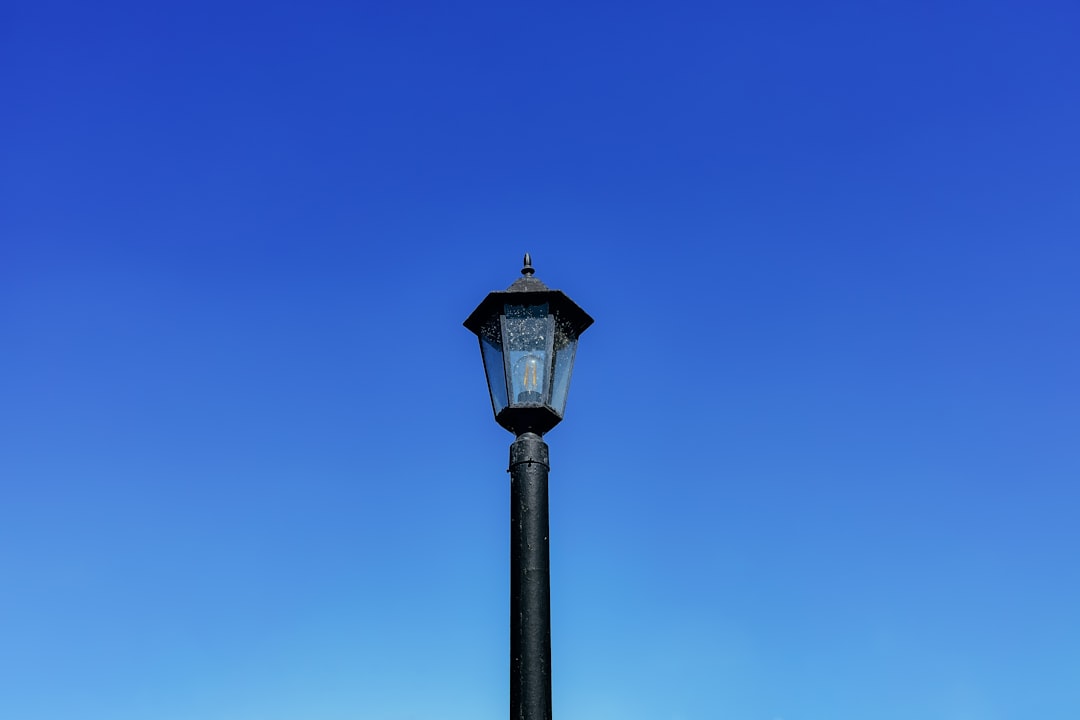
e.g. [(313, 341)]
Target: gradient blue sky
[(821, 453)]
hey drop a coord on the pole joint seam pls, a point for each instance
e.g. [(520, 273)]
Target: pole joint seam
[(528, 462)]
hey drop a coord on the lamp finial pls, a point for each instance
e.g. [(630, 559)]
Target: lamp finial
[(528, 269)]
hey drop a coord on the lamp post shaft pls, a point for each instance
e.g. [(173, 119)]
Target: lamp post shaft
[(530, 586)]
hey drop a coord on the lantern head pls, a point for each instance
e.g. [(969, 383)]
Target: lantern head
[(528, 336)]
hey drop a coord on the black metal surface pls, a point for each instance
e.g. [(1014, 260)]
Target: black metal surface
[(530, 586), (529, 290), (528, 418)]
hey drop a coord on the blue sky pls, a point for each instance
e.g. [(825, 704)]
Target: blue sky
[(820, 458)]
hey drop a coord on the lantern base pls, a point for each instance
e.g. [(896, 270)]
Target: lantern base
[(520, 419)]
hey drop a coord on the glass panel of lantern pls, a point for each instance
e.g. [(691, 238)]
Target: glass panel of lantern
[(528, 337), (565, 346), (491, 349)]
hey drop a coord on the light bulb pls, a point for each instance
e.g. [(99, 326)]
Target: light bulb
[(527, 375)]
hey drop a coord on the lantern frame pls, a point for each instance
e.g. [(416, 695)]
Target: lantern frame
[(560, 316)]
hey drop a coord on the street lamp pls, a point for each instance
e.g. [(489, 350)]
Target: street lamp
[(528, 336)]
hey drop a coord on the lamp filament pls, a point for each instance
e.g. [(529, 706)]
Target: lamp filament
[(528, 380)]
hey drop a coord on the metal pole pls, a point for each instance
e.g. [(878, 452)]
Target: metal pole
[(530, 586)]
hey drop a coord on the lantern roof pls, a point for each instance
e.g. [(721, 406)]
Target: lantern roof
[(529, 290)]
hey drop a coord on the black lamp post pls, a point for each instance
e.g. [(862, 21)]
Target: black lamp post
[(528, 335)]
